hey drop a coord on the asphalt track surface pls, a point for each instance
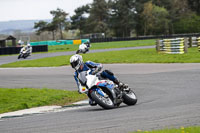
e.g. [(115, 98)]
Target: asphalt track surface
[(168, 96)]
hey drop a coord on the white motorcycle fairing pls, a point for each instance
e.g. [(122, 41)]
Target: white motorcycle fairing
[(92, 80)]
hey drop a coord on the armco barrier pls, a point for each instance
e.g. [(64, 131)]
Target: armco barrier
[(172, 46), (16, 50)]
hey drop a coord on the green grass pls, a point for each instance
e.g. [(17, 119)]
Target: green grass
[(125, 56), (103, 45), (180, 130), (16, 99)]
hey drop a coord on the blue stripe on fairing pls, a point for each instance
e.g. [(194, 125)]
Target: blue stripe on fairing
[(110, 86)]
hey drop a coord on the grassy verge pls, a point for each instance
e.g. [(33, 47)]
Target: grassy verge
[(126, 56), (103, 45), (16, 99), (180, 130)]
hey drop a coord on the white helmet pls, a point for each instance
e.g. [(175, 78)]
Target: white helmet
[(76, 61), (29, 45)]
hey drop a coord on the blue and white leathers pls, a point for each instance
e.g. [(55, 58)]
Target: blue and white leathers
[(94, 67)]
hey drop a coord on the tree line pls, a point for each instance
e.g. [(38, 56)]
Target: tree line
[(125, 18)]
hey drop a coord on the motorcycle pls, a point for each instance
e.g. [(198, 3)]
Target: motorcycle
[(83, 48), (105, 93), (24, 53)]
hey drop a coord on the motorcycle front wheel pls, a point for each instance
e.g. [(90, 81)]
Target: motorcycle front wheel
[(25, 56), (129, 97), (78, 51), (104, 102), (19, 56)]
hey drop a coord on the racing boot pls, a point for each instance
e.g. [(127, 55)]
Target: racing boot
[(120, 84)]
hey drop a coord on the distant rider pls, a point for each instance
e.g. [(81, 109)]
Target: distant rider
[(20, 43), (84, 47), (77, 63), (27, 48)]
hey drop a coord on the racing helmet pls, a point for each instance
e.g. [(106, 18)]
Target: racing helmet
[(87, 43), (76, 61), (28, 45)]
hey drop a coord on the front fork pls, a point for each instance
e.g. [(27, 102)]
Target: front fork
[(100, 92)]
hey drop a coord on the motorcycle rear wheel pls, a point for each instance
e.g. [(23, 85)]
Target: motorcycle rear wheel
[(129, 98), (104, 102)]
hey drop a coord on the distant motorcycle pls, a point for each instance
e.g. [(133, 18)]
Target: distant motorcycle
[(105, 93), (25, 52), (83, 48)]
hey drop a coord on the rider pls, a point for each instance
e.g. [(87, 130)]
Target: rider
[(27, 48), (87, 44), (20, 43), (77, 63), (84, 47)]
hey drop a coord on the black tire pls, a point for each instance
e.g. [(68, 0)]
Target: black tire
[(19, 56), (105, 103), (25, 56), (78, 51), (129, 98)]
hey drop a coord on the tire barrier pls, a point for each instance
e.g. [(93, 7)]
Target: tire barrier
[(195, 41), (198, 43), (40, 48), (59, 42), (16, 50), (172, 46)]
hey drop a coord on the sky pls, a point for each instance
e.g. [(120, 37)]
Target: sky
[(36, 9)]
